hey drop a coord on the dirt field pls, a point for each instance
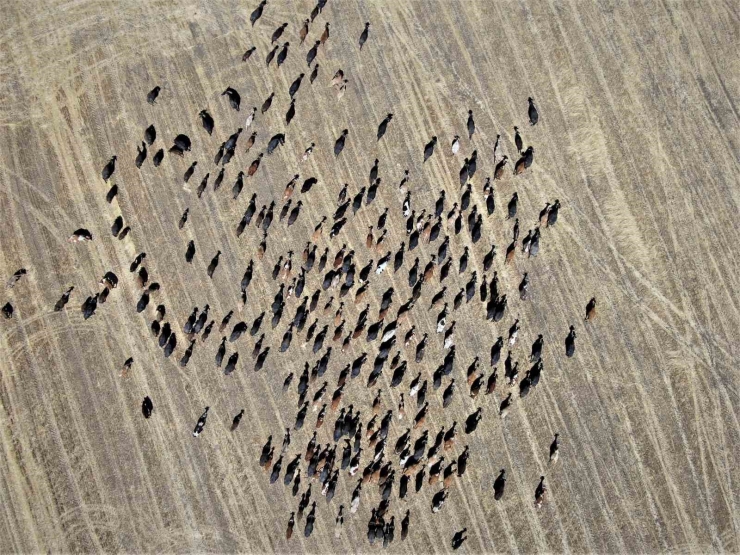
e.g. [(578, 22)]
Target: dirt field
[(639, 138)]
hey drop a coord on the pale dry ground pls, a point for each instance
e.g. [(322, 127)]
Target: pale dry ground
[(638, 138)]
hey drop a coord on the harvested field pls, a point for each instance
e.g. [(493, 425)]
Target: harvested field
[(638, 137)]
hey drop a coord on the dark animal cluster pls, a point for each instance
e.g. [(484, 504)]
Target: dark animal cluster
[(359, 443)]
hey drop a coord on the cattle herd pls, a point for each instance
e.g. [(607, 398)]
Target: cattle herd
[(330, 312)]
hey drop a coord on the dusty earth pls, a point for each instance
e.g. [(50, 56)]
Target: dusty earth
[(638, 137)]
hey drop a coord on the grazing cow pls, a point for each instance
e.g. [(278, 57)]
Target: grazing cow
[(292, 90), (499, 171), (455, 145), (591, 309), (80, 236), (525, 161), (109, 168), (291, 523), (405, 525), (503, 409), (221, 352), (429, 148), (183, 143), (228, 154), (207, 121), (384, 126), (279, 139), (459, 538), (308, 152), (540, 493), (490, 201), (534, 116), (88, 307), (552, 215), (325, 34), (190, 251), (147, 407), (543, 214), (236, 190), (313, 51), (496, 351), (63, 300), (476, 385), (525, 385), (170, 346), (257, 13), (471, 423), (248, 53), (513, 332), (230, 143), (339, 143), (464, 172), (237, 419), (554, 449), (7, 311), (267, 103), (16, 277), (499, 485), (496, 148), (183, 218), (278, 33), (283, 54), (150, 135), (303, 33), (151, 97), (233, 96), (364, 34), (111, 194), (499, 309), (189, 172), (536, 353), (285, 209), (117, 226), (201, 423), (227, 318), (141, 156), (462, 462), (250, 141), (308, 530), (250, 119), (528, 157), (472, 164), (109, 280), (213, 265), (534, 244), (338, 79), (231, 363), (300, 417), (103, 295), (254, 165), (439, 499), (570, 342), (188, 353), (518, 140), (512, 205), (165, 334)]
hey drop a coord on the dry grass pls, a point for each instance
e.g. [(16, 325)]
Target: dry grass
[(638, 138)]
